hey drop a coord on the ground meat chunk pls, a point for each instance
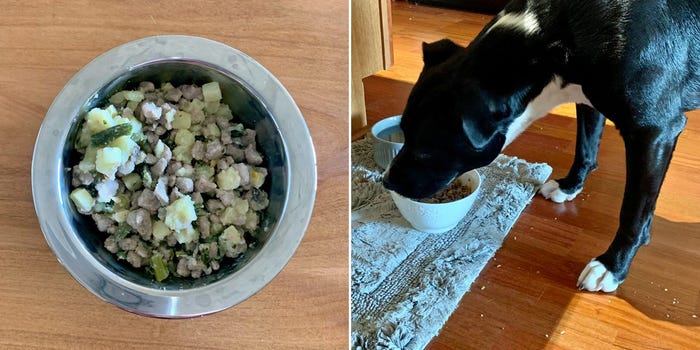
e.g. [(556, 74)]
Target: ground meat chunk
[(214, 205), (147, 86), (160, 130), (142, 251), (111, 244), (151, 137), (148, 200), (81, 177), (222, 123), (252, 156), (182, 269), (215, 150), (235, 152), (134, 259), (226, 197), (222, 164), (173, 95), (151, 159), (198, 150), (204, 225), (128, 243), (214, 219), (103, 222), (140, 220), (150, 112), (184, 184), (135, 199), (159, 167), (171, 240), (204, 185), (173, 167), (248, 138), (191, 92), (226, 138), (197, 117), (197, 198)]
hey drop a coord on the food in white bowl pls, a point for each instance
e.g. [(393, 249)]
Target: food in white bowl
[(442, 216)]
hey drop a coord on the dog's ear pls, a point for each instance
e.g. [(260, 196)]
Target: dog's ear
[(439, 51), (479, 132)]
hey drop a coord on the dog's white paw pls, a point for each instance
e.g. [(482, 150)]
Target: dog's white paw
[(596, 278), (551, 191)]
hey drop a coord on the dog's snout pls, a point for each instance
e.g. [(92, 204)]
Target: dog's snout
[(387, 184)]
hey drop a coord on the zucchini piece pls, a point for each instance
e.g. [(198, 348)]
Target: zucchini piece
[(108, 135), (160, 270)]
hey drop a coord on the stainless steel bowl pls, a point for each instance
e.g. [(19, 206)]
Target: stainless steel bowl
[(253, 93)]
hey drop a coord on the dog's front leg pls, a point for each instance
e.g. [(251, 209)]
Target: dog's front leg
[(589, 129), (648, 153)]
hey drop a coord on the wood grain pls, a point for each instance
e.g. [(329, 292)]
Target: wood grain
[(526, 297), (304, 43), (371, 40)]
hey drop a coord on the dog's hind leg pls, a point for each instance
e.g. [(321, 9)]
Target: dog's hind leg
[(590, 124), (648, 154)]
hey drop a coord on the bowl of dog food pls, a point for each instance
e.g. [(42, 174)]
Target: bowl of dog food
[(387, 140), (444, 210), (173, 176)]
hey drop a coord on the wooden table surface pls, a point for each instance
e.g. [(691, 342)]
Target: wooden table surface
[(303, 43)]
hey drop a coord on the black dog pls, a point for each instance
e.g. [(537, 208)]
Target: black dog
[(636, 63)]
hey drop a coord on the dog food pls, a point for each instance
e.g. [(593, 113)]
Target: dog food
[(455, 191), (171, 177)]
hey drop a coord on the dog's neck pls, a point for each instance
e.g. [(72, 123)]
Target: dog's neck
[(527, 68)]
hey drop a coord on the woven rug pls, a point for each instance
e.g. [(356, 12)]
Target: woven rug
[(406, 283)]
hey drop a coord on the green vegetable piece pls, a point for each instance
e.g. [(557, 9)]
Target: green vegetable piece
[(104, 208), (237, 130), (160, 270), (108, 135), (122, 231)]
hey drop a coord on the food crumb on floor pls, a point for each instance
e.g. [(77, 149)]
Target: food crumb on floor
[(562, 332), (483, 287)]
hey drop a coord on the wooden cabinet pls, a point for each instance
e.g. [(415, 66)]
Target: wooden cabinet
[(371, 50)]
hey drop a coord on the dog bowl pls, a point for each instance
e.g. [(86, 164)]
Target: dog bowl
[(387, 140), (252, 93), (439, 217)]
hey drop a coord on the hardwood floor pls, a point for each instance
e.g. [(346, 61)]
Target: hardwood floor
[(526, 296)]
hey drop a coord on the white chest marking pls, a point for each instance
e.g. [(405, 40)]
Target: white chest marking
[(551, 96), (524, 21)]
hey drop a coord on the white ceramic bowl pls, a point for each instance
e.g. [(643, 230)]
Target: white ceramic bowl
[(439, 217), (387, 140)]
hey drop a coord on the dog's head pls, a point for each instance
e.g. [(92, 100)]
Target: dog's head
[(451, 124)]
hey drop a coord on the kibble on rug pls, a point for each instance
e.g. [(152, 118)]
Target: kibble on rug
[(406, 283)]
